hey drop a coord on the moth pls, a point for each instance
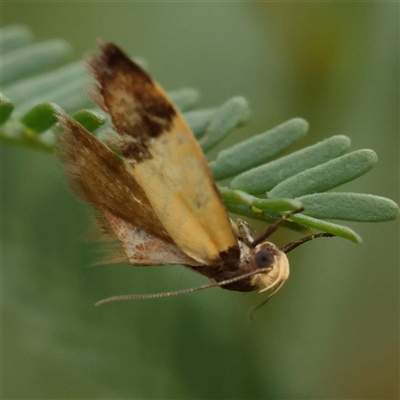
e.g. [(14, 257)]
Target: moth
[(153, 189)]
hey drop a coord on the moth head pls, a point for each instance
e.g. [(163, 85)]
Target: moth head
[(274, 266)]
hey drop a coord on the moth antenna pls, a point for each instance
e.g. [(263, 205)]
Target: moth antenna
[(179, 292), (272, 228), (292, 245), (258, 306), (254, 309)]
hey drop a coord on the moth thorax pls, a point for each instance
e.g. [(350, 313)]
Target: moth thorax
[(267, 256)]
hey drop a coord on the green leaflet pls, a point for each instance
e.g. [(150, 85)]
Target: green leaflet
[(90, 119), (232, 113), (42, 86), (13, 37), (199, 119), (350, 207), (326, 176), (6, 108), (34, 130), (185, 98), (41, 117), (273, 205), (263, 178), (335, 229), (69, 97), (265, 216), (258, 149), (33, 59)]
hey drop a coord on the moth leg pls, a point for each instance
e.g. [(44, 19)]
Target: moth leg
[(246, 232), (272, 228)]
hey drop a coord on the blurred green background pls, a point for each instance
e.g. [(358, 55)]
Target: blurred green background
[(331, 332)]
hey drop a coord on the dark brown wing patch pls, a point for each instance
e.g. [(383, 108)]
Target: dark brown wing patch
[(122, 85)]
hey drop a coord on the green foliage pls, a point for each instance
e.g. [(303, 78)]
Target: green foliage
[(90, 119), (37, 91), (325, 226), (265, 177), (231, 114), (6, 108), (40, 117), (185, 98), (199, 120), (349, 207), (258, 149), (13, 37), (326, 176), (33, 59)]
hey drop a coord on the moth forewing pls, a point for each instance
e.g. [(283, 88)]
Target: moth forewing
[(165, 159)]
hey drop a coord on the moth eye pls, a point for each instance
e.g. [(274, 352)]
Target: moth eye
[(264, 258)]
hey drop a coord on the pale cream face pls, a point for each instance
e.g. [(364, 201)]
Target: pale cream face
[(277, 271)]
